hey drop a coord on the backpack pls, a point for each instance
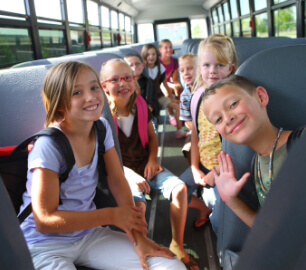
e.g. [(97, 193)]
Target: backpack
[(195, 106), (14, 165), (142, 116)]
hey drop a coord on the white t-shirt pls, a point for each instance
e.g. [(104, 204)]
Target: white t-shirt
[(125, 123), (154, 71)]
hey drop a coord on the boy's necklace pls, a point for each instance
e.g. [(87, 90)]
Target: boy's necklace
[(264, 189)]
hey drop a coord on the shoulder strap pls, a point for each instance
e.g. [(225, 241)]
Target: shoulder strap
[(142, 116), (63, 146), (296, 134), (195, 104)]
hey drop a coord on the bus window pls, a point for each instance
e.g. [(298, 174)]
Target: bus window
[(176, 32), (234, 9), (95, 42), (198, 28), (261, 22), (92, 13), (244, 7), (145, 33), (285, 22), (16, 6), (75, 11), (260, 4), (48, 9), (77, 41), (105, 17), (236, 31), (52, 43), (246, 29), (15, 46)]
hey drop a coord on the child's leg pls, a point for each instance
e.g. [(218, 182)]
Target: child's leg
[(176, 108), (175, 191), (112, 250)]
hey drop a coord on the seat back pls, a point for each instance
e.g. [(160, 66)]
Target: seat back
[(281, 72)]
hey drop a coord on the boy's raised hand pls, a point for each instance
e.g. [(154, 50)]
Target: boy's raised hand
[(226, 182)]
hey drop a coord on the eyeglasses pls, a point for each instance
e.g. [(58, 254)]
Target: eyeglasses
[(115, 80)]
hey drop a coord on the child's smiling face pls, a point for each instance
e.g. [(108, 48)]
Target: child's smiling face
[(123, 88), (187, 69), (236, 114)]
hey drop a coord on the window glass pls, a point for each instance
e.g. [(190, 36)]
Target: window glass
[(116, 39), (228, 29), (260, 4), (244, 7), (236, 29), (52, 43), (221, 29), (105, 17), (285, 22), (16, 6), (77, 40), (95, 42), (234, 9), (48, 9), (127, 24), (226, 11), (246, 29), (121, 21), (176, 32), (114, 19), (215, 16), (75, 11), (216, 29), (220, 14), (261, 22), (15, 46), (145, 33), (198, 28), (92, 13), (129, 39), (107, 39), (278, 1)]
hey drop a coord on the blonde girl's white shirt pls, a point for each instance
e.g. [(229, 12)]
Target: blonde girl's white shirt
[(154, 71), (76, 193), (125, 123)]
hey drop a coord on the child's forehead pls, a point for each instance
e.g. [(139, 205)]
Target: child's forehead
[(187, 61), (117, 68), (132, 58)]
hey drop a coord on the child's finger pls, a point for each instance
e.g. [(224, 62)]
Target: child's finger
[(230, 164)]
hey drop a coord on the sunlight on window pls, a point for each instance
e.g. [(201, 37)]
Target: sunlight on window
[(16, 6), (48, 9)]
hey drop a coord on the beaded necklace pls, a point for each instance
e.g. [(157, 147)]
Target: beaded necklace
[(264, 190)]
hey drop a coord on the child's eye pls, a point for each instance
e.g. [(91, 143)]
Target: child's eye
[(220, 65), (218, 120), (115, 79), (95, 87), (128, 78), (76, 93), (234, 104), (205, 65)]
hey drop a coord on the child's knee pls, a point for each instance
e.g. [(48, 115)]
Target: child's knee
[(180, 191)]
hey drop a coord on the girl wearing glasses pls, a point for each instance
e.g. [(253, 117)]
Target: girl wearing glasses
[(138, 145), (60, 236)]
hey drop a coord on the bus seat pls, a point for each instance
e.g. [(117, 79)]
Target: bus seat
[(125, 51), (279, 229), (14, 250), (281, 72), (247, 49)]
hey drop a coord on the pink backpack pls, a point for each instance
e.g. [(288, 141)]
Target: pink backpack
[(195, 104), (142, 116)]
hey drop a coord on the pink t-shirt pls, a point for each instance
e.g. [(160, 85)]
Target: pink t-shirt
[(170, 68)]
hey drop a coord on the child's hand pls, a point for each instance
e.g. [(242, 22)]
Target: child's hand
[(209, 178), (152, 168), (142, 185), (198, 177), (130, 218), (178, 87), (226, 182), (146, 247)]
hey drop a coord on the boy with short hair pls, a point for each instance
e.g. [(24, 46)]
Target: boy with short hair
[(238, 111), (187, 68), (146, 84)]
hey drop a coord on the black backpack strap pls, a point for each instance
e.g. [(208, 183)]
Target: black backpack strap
[(103, 197), (63, 146), (296, 134)]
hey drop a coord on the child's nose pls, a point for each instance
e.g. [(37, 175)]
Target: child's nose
[(229, 117)]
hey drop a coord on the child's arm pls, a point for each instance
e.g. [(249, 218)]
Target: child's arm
[(229, 188), (169, 91), (49, 219), (153, 167), (198, 175), (176, 81)]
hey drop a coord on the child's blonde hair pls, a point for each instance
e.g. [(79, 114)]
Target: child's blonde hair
[(58, 88), (192, 56), (224, 50), (111, 101), (144, 53)]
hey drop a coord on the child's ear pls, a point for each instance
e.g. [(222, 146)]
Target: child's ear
[(262, 95)]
